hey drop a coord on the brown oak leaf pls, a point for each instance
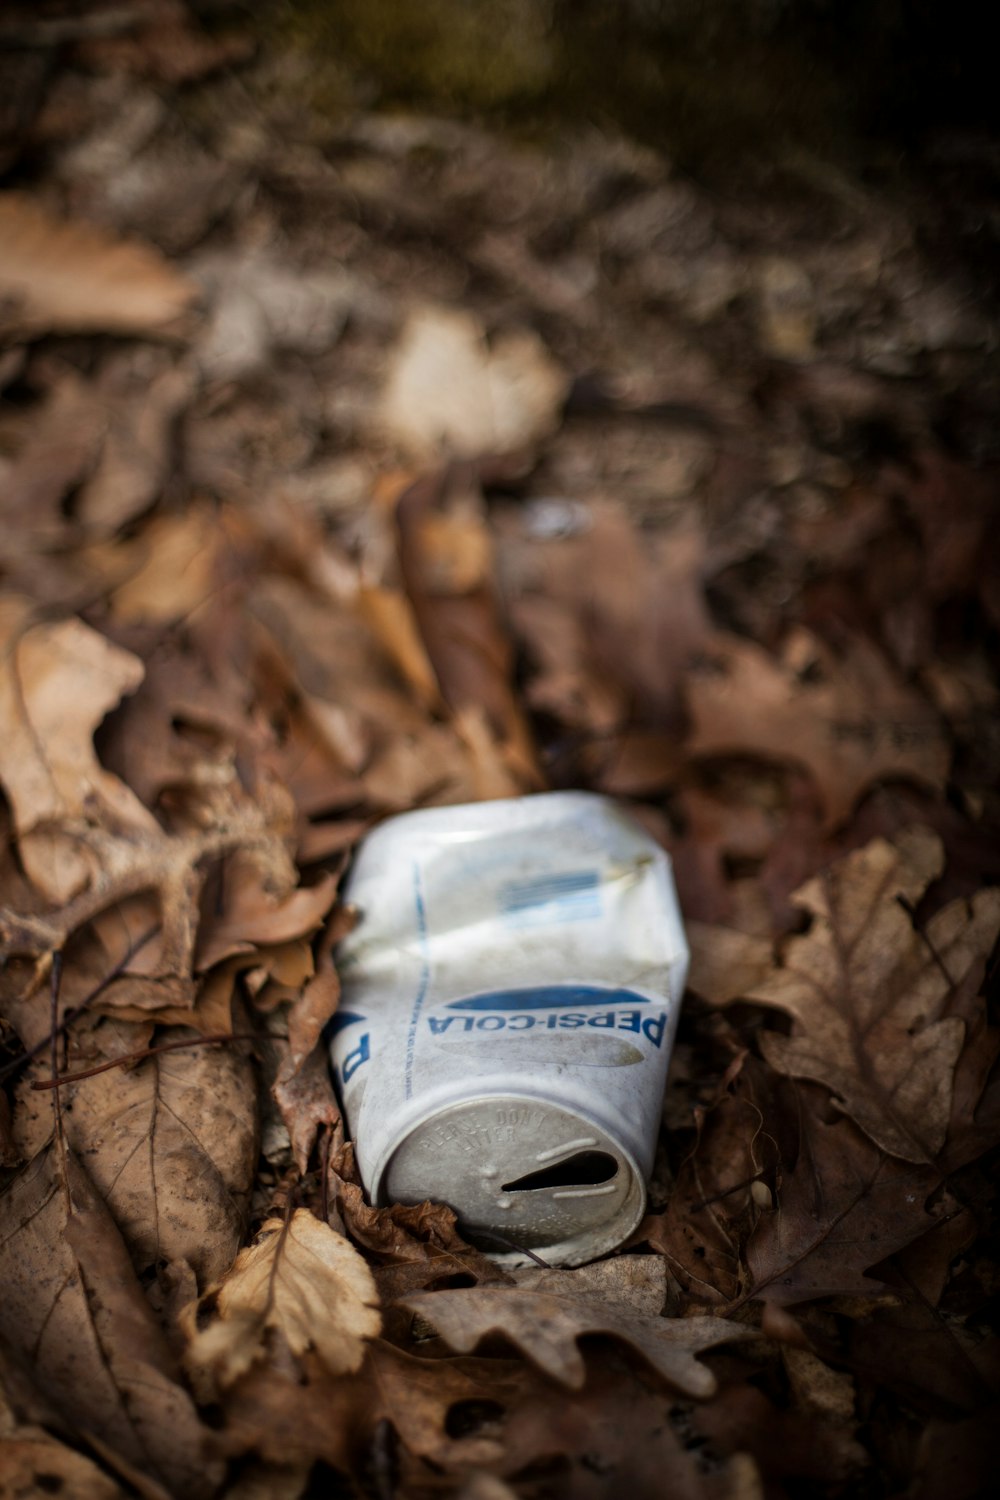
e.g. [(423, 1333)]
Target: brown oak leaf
[(867, 991), (545, 1317), (846, 717)]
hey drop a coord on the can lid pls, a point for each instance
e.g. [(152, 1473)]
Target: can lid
[(521, 1174)]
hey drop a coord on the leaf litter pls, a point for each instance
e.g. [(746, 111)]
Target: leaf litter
[(326, 493)]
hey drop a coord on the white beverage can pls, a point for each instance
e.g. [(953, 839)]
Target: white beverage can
[(510, 997)]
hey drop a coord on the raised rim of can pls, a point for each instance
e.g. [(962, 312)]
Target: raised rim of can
[(563, 1252)]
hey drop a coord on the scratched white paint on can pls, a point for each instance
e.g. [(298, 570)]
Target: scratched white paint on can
[(510, 997)]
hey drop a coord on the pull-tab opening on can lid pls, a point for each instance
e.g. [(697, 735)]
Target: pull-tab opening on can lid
[(584, 1168), (523, 1176)]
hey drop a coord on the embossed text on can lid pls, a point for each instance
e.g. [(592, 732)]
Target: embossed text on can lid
[(523, 1175)]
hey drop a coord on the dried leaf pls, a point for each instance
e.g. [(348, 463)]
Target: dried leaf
[(848, 719), (412, 1244), (34, 1463), (170, 1143), (725, 964), (784, 1443), (460, 622), (251, 915), (710, 1207), (546, 1324), (143, 398), (304, 1095), (73, 1307), (301, 1283), (134, 861), (842, 1207), (611, 617), (57, 681), (336, 1419), (867, 991), (59, 449), (448, 393), (65, 276)]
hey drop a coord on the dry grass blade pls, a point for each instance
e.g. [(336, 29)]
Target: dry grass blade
[(63, 276)]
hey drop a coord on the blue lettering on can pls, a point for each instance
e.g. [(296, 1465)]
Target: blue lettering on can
[(352, 1062), (653, 1028)]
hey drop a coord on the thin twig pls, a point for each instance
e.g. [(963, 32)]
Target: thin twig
[(215, 1040), (71, 1015)]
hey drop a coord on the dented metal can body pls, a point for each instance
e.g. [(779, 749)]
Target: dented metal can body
[(510, 997)]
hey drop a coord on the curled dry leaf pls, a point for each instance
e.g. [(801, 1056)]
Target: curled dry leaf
[(867, 991), (302, 1283), (251, 915), (130, 860), (304, 1094), (710, 1206), (847, 718), (448, 393), (546, 1318), (170, 1143), (65, 276), (412, 1244), (57, 682), (73, 1308), (457, 611)]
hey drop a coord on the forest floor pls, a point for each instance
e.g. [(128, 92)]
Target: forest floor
[(354, 461)]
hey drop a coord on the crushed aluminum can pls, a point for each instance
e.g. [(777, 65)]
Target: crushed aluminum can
[(510, 996)]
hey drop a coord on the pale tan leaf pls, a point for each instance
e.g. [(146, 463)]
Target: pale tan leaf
[(57, 682), (546, 1320), (301, 1282), (448, 392), (66, 276), (174, 565)]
